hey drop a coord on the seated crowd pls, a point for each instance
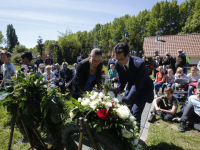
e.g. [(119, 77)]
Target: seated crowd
[(165, 106)]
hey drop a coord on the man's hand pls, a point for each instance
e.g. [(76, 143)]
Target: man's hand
[(66, 85)]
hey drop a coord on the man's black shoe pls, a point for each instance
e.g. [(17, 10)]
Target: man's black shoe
[(181, 126), (152, 118)]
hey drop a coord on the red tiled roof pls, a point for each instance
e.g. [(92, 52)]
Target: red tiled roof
[(189, 43)]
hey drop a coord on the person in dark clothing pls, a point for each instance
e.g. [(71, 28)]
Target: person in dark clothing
[(74, 70), (156, 64), (66, 75), (80, 58), (169, 61), (57, 73), (146, 62), (156, 54), (88, 74), (26, 60), (48, 61), (166, 106), (39, 61), (180, 60), (111, 61), (133, 74)]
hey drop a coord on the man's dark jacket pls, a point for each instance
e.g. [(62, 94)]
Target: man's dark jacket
[(38, 62), (65, 76), (50, 60), (139, 84), (180, 61), (170, 62), (80, 58), (80, 79)]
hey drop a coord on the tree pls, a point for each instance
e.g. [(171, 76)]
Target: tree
[(40, 46), (96, 34), (19, 48), (193, 22), (12, 38), (1, 38)]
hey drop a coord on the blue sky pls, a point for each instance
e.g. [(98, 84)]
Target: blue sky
[(32, 18)]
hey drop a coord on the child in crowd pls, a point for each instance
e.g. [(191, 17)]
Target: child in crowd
[(169, 80), (113, 73), (160, 79), (179, 75), (26, 60), (165, 106), (7, 68)]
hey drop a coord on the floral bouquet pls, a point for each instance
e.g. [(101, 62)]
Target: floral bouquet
[(107, 113)]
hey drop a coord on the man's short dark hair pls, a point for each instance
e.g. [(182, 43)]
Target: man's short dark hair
[(28, 55), (122, 48)]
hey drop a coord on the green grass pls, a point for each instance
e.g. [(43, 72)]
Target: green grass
[(5, 129)]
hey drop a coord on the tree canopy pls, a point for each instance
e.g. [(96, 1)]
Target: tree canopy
[(12, 38), (166, 17)]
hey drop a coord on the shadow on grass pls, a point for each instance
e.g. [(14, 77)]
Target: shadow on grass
[(164, 146)]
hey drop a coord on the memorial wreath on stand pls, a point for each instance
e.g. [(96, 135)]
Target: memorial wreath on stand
[(111, 122)]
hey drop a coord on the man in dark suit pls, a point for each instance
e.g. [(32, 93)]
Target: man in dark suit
[(74, 70), (65, 77), (39, 61), (132, 71), (80, 58)]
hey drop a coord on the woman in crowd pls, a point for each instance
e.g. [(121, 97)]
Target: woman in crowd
[(88, 74), (49, 76), (179, 75), (160, 79), (113, 73), (169, 79), (166, 106), (193, 79), (41, 69)]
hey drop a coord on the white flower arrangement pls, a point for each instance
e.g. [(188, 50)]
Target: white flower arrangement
[(106, 111)]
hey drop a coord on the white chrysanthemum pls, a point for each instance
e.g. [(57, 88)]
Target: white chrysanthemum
[(109, 104), (93, 104), (135, 123), (119, 97), (123, 112), (115, 100), (111, 94), (126, 134), (101, 95), (72, 115), (93, 97), (85, 102), (79, 99), (132, 118)]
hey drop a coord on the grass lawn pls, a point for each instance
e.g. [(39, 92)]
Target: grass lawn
[(5, 129), (162, 135)]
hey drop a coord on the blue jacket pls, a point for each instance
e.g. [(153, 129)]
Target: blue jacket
[(139, 84)]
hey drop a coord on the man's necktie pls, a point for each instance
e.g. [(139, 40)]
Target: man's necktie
[(126, 69)]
